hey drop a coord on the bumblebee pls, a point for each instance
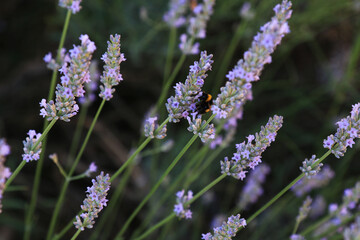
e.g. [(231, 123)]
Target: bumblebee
[(204, 103)]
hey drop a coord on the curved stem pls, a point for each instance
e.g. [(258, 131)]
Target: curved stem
[(67, 180), (76, 234)]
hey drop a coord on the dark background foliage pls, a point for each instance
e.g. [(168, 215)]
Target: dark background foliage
[(312, 82)]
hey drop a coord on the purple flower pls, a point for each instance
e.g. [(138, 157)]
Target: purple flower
[(347, 131), (238, 89), (253, 190), (75, 72), (5, 172), (73, 5), (227, 230), (175, 16), (111, 74), (94, 202), (181, 208), (32, 148), (308, 167), (304, 210), (151, 125), (248, 154)]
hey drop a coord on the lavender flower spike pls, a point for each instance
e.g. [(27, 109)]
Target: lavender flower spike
[(227, 230), (75, 72), (94, 202), (348, 130), (73, 5), (31, 153), (248, 155), (183, 103), (308, 168), (181, 209), (238, 88), (175, 16), (151, 125), (4, 171), (111, 74)]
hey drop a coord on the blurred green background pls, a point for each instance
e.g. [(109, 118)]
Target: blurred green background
[(312, 82)]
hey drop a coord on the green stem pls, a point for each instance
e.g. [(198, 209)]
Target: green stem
[(66, 228), (155, 187), (66, 183), (170, 52), (172, 215), (76, 234), (35, 189), (141, 147), (80, 176)]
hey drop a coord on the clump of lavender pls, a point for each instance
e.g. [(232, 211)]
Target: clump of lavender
[(248, 155), (94, 202), (73, 5), (175, 16), (181, 208), (353, 231), (253, 190), (196, 27), (304, 210), (305, 185), (151, 125), (75, 72), (227, 230), (5, 172), (55, 64), (111, 74), (32, 152), (197, 126), (318, 207), (91, 86), (348, 130), (248, 69), (308, 167), (183, 103)]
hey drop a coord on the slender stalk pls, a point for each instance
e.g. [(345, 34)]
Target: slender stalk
[(170, 52), (35, 189), (76, 234), (172, 215), (67, 180), (66, 228)]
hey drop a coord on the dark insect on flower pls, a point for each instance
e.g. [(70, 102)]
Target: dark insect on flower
[(204, 103)]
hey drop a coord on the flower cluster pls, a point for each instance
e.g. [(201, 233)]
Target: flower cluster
[(253, 190), (91, 86), (197, 126), (75, 72), (227, 230), (353, 231), (248, 155), (150, 127), (94, 202), (248, 69), (31, 149), (175, 16), (196, 27), (304, 209), (73, 5), (184, 101), (305, 185), (308, 167), (111, 74), (5, 172), (55, 64), (348, 130), (181, 208), (92, 168)]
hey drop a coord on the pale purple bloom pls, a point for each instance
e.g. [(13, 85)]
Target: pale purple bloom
[(304, 209), (175, 16), (196, 125), (227, 230), (296, 237), (94, 202), (308, 167), (353, 231), (237, 90), (111, 74), (73, 5), (305, 185), (248, 154), (150, 127), (32, 152), (92, 168), (91, 84), (75, 73), (5, 172), (347, 131), (182, 208)]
